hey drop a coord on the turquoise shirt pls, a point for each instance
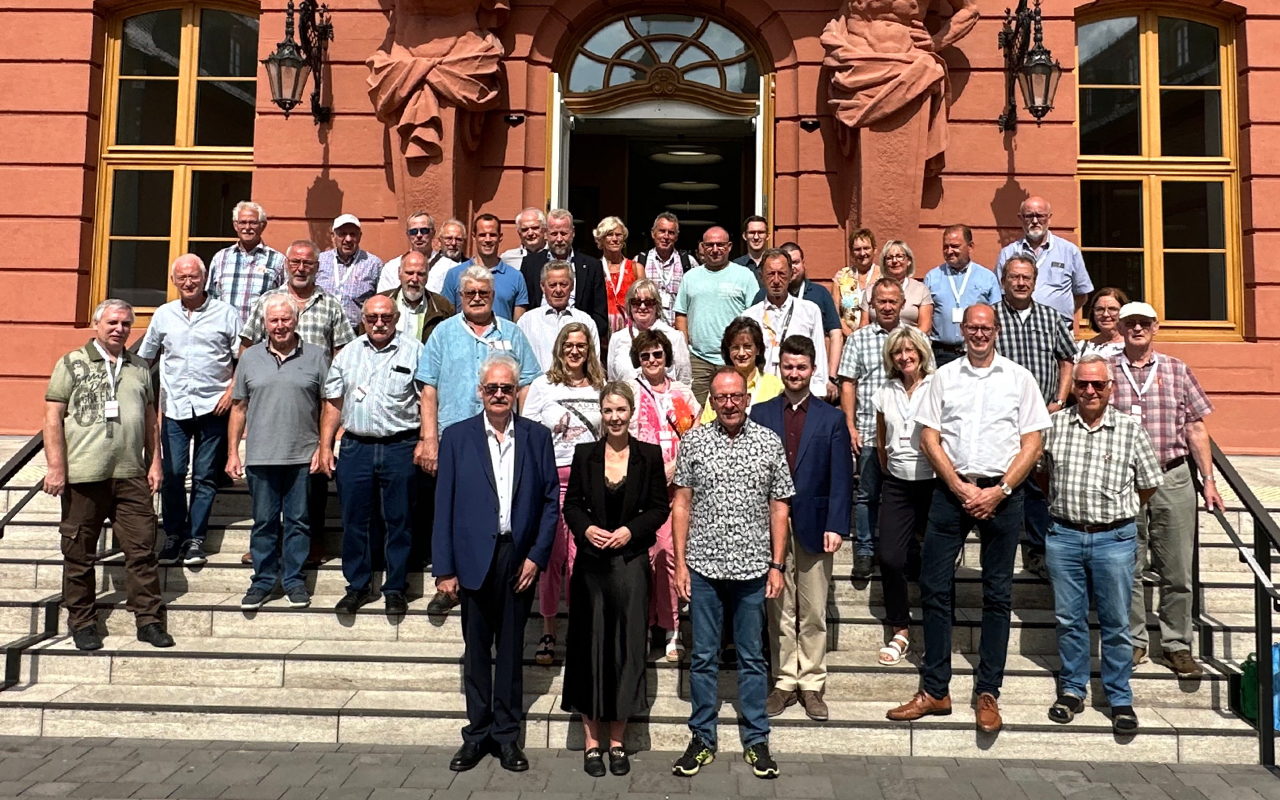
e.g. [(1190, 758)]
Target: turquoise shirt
[(451, 361), (711, 300)]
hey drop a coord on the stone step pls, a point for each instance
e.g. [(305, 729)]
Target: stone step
[(22, 612), (1168, 735)]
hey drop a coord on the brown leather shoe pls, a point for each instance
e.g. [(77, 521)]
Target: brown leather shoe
[(922, 705), (988, 713), (814, 705), (779, 700), (247, 558), (1181, 662)]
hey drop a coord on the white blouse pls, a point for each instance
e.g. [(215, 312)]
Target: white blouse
[(572, 414), (901, 432)]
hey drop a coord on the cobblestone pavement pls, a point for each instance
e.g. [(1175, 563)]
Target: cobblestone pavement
[(42, 767)]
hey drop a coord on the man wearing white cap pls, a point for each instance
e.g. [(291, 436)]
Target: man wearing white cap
[(347, 272), (1160, 391)]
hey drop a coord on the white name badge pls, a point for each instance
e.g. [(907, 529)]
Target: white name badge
[(904, 441), (111, 409), (361, 392), (1135, 410), (957, 315)]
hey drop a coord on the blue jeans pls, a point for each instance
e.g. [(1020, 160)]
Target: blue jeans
[(279, 490), (743, 601), (1035, 514), (1106, 561), (943, 539), (867, 509), (209, 436), (366, 470)]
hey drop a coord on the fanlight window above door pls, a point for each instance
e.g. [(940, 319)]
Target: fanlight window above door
[(665, 55)]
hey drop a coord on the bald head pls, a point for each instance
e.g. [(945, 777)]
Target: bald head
[(715, 246), (189, 276), (380, 317), (1034, 214), (413, 275)]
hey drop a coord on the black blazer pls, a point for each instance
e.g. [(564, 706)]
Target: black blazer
[(645, 502), (588, 286)]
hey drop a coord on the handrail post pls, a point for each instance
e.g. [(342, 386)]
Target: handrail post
[(1263, 606)]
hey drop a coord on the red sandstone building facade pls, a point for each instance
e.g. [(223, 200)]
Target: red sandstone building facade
[(128, 130)]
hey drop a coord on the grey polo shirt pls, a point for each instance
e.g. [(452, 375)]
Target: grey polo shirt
[(283, 425)]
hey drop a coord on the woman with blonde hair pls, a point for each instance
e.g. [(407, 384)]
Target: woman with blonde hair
[(851, 285), (898, 263), (644, 312), (907, 488), (619, 271), (567, 401)]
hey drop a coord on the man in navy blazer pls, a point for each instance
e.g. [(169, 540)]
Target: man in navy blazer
[(497, 496), (816, 439), (588, 273)]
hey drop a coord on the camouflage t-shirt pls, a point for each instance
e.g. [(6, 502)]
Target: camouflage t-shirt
[(99, 448)]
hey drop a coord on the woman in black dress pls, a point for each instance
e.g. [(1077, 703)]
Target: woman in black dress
[(615, 503)]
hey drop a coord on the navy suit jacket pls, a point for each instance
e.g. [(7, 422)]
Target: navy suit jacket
[(588, 286), (824, 470), (466, 521)]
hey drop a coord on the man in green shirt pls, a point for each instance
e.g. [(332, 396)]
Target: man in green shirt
[(104, 462)]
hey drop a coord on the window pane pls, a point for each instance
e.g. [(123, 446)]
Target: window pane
[(1193, 215), (1111, 214), (586, 76), (224, 113), (138, 272), (1188, 53), (1195, 286), (693, 55), (681, 24), (148, 112), (228, 44), (206, 249), (609, 39), (1109, 52), (141, 202), (620, 76), (151, 43), (1190, 122), (1119, 270), (705, 75), (722, 41), (1110, 122), (213, 194)]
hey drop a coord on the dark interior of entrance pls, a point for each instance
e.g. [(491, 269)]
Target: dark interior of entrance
[(703, 173)]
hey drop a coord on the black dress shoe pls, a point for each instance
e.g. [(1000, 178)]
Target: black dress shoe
[(467, 757), (87, 638), (619, 764), (397, 606), (511, 757), (593, 762), (351, 602), (154, 635)]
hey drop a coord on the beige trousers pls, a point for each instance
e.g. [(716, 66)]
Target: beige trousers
[(798, 620)]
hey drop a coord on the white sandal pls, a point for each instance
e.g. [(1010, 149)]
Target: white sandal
[(675, 648), (892, 653)]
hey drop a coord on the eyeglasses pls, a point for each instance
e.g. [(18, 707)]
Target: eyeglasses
[(379, 317), (646, 302), (420, 231), (575, 346), (1097, 386), (183, 280), (492, 389), (727, 399), (896, 257), (979, 330), (247, 223), (452, 239), (715, 245), (476, 294), (1110, 312), (1139, 322), (653, 355), (302, 262), (1033, 216)]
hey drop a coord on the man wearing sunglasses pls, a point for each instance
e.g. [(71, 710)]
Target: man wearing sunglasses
[(1064, 283), (1162, 393), (421, 230), (1099, 469)]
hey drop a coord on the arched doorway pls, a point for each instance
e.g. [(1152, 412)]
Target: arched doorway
[(663, 111)]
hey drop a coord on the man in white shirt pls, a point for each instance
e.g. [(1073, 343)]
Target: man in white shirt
[(983, 418), (781, 315), (541, 325), (453, 249), (531, 225), (1063, 283), (421, 229)]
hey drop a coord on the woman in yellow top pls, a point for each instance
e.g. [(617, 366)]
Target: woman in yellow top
[(851, 285), (743, 349)]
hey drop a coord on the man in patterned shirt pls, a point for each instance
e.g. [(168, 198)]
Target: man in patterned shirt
[(729, 530), (241, 273), (1099, 468), (348, 272), (664, 264), (1162, 393), (1036, 337)]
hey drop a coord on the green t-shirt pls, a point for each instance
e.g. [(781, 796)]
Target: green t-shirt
[(99, 449), (711, 300)]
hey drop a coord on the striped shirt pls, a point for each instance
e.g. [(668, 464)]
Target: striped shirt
[(379, 394), (352, 283), (1094, 473), (1037, 339), (239, 278), (321, 321), (1173, 400), (862, 361)]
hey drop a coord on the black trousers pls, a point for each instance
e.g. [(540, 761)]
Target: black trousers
[(904, 515), (494, 617)]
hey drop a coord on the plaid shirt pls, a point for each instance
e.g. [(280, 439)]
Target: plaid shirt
[(1039, 344), (666, 275), (862, 361), (239, 278), (1094, 473), (321, 321), (1174, 399), (351, 283)]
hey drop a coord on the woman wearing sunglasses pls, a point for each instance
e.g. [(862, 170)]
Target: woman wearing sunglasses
[(644, 312)]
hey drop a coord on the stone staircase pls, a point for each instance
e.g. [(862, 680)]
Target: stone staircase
[(280, 674)]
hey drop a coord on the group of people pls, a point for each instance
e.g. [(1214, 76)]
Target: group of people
[(632, 435)]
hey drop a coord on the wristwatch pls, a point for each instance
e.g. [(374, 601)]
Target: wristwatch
[(1006, 488), (777, 566)]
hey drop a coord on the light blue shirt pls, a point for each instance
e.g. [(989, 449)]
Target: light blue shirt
[(379, 394), (451, 363), (711, 299), (945, 283), (197, 355), (1060, 276), (509, 289)]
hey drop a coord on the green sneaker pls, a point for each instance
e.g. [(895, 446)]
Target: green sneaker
[(762, 764), (696, 755)]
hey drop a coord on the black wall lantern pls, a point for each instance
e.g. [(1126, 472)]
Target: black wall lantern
[(1029, 64), (293, 62)]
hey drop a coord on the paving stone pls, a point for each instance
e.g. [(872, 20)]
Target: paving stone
[(857, 790), (238, 774), (1253, 780), (331, 776), (190, 773), (337, 759), (51, 789), (396, 794), (199, 791), (13, 788), (485, 795), (351, 793), (898, 789), (292, 757), (316, 747), (935, 788), (261, 791), (70, 752), (1202, 780), (1180, 791), (155, 791), (159, 754), (1040, 790), (659, 782), (120, 789), (13, 768), (375, 776), (303, 793), (98, 772), (1139, 791), (751, 786), (532, 780), (806, 786), (287, 775), (110, 752), (52, 771), (428, 778), (375, 758), (993, 788), (1229, 793), (914, 771)]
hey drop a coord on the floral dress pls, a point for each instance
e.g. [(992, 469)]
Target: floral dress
[(851, 294)]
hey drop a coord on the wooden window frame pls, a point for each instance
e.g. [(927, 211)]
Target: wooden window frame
[(181, 158), (1153, 170)]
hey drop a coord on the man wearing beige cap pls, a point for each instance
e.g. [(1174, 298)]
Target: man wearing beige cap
[(348, 272), (1160, 391)]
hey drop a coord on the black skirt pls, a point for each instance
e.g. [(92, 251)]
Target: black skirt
[(606, 647)]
